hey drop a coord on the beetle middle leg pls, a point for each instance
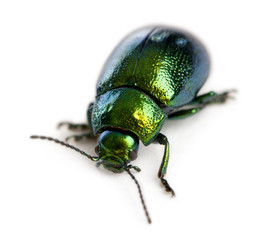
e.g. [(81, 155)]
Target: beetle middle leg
[(162, 139), (80, 137)]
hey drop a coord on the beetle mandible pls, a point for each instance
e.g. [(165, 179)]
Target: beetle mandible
[(153, 75)]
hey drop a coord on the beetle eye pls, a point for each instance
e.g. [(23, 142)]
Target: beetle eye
[(132, 155), (96, 149)]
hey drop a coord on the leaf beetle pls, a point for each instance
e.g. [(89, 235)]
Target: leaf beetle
[(153, 75)]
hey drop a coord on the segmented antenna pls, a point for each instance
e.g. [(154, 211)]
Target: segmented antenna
[(141, 196), (96, 159), (66, 145)]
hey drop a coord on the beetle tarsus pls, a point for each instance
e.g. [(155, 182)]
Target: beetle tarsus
[(222, 97), (167, 186)]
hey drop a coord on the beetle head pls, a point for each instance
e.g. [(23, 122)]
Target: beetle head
[(116, 149)]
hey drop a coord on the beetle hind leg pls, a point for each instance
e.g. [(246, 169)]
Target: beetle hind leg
[(213, 97), (199, 102), (162, 139)]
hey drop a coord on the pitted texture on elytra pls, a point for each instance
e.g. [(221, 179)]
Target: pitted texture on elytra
[(122, 62), (128, 109), (168, 64)]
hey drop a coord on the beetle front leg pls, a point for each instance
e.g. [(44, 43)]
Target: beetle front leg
[(162, 139)]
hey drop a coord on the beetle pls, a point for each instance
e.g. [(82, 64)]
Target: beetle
[(153, 75)]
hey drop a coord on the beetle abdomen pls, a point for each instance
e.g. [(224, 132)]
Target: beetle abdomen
[(128, 109), (168, 64)]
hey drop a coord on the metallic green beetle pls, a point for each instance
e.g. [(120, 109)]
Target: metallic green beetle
[(154, 74)]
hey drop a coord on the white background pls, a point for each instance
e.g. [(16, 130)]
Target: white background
[(51, 53)]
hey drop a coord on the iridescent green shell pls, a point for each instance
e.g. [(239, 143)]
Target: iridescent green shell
[(168, 64), (150, 72)]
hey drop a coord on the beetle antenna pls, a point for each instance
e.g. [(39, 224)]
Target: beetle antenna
[(66, 145), (140, 194)]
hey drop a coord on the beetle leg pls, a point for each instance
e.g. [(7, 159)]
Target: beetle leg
[(184, 113), (198, 103), (212, 97), (80, 137), (74, 126), (162, 139)]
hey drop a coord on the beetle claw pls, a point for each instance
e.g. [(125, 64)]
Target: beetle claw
[(223, 97), (229, 96)]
